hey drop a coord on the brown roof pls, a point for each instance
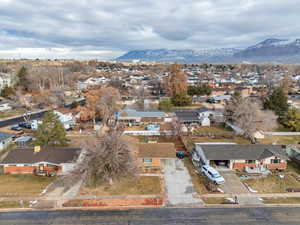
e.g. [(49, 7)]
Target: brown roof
[(157, 150), (54, 155)]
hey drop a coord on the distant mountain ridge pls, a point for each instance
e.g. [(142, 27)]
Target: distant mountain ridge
[(276, 50)]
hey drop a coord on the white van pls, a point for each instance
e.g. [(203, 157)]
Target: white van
[(212, 174)]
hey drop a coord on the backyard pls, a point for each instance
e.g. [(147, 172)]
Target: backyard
[(216, 134), (285, 140)]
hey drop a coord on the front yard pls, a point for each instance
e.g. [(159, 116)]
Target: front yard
[(23, 185), (273, 184), (139, 185)]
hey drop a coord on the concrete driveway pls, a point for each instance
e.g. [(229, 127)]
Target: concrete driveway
[(234, 186), (178, 184)]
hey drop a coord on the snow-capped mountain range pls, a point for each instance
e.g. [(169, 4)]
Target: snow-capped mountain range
[(279, 50)]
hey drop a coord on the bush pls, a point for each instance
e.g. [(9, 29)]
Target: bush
[(7, 92)]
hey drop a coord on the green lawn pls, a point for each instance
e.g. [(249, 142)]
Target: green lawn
[(273, 184), (139, 185), (23, 185)]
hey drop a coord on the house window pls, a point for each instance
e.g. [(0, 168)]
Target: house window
[(250, 161), (275, 161), (147, 160), (51, 165)]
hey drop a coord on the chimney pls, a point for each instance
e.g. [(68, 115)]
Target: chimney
[(37, 149)]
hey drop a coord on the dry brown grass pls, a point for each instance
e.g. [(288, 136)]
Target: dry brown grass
[(285, 140), (281, 200), (140, 185), (273, 184), (237, 140), (23, 185), (215, 200)]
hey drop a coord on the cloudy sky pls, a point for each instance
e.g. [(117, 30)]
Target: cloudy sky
[(104, 29)]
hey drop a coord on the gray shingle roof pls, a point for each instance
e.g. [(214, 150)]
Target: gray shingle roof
[(54, 155), (4, 136), (247, 152), (143, 114), (187, 116)]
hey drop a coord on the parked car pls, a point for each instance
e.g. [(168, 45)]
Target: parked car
[(16, 128), (25, 125), (212, 174)]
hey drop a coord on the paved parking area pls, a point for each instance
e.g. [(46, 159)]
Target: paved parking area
[(178, 184)]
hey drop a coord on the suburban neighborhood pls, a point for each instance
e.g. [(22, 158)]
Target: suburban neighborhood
[(131, 135)]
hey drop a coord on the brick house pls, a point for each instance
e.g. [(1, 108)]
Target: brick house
[(242, 157), (150, 155), (49, 159)]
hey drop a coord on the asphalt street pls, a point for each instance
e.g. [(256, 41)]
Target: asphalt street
[(187, 216)]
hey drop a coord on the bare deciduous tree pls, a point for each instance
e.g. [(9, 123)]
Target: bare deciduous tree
[(249, 117), (107, 157)]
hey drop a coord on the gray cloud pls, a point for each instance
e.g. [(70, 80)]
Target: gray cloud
[(91, 27)]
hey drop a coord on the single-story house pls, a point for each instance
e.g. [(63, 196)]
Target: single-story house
[(133, 116), (50, 159), (241, 156), (150, 155), (201, 115), (5, 140), (187, 116)]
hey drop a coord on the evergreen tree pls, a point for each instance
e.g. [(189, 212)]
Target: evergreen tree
[(199, 90), (277, 101), (22, 78), (292, 120), (181, 99), (51, 132)]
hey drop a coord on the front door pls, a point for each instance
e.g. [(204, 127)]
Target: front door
[(41, 167)]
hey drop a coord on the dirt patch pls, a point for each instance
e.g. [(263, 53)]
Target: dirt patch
[(116, 202)]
